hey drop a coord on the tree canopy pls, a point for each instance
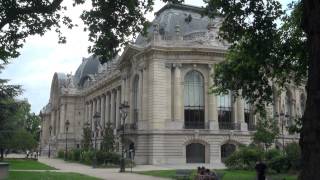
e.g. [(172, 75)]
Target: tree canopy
[(111, 24), (262, 54)]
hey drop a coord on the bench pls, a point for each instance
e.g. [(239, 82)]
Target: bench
[(183, 174)]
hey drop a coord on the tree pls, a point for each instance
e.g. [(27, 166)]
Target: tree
[(108, 141), (23, 140), (87, 141), (8, 107), (310, 121), (267, 132), (111, 24), (20, 19), (262, 56), (32, 125)]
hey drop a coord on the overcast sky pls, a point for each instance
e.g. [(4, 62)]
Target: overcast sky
[(42, 56)]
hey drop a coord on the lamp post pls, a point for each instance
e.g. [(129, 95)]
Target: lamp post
[(50, 129), (67, 123), (282, 118), (96, 119), (40, 134), (124, 107)]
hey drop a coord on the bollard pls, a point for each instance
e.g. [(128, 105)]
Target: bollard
[(4, 168)]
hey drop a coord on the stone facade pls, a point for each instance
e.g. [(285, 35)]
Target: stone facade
[(165, 78)]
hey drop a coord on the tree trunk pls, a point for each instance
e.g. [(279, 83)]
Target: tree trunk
[(310, 136)]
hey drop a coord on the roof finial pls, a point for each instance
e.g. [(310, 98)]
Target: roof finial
[(178, 32), (156, 35)]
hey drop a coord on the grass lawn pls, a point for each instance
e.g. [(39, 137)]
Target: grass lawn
[(27, 175), (23, 164), (228, 175)]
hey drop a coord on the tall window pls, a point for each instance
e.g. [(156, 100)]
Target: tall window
[(248, 116), (224, 111), (287, 108), (194, 100), (135, 98)]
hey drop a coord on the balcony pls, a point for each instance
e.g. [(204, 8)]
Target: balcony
[(194, 125), (131, 126), (229, 126)]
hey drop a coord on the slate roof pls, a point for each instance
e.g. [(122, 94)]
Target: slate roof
[(88, 66), (188, 17)]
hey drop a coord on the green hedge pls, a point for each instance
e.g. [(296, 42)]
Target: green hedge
[(246, 157), (86, 157), (61, 154)]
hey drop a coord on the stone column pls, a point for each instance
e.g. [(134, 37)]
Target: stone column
[(177, 94), (107, 114), (90, 112), (240, 114), (127, 90), (144, 107), (103, 109), (99, 104), (52, 121), (112, 114), (85, 113), (277, 105), (123, 87), (62, 117), (140, 95), (234, 108), (212, 103), (117, 108)]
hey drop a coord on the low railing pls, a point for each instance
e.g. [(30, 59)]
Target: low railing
[(194, 125), (128, 126), (229, 125)]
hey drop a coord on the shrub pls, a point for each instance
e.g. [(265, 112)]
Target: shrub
[(61, 154), (69, 155), (272, 153), (86, 157), (75, 154), (279, 164), (108, 157), (293, 154), (244, 158)]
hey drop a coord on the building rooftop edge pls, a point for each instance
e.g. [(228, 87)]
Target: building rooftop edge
[(196, 9)]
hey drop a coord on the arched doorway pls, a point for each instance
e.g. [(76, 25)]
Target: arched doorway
[(227, 150), (195, 153)]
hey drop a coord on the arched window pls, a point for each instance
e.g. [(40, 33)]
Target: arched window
[(224, 111), (195, 153), (227, 150), (135, 98), (302, 104), (193, 100)]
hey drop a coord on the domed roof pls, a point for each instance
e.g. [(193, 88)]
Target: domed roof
[(189, 19), (88, 66)]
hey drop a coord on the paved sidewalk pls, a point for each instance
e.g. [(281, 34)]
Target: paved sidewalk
[(104, 173)]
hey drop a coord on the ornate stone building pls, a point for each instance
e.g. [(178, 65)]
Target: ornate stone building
[(165, 78)]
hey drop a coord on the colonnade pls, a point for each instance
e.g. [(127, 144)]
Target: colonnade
[(107, 105)]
